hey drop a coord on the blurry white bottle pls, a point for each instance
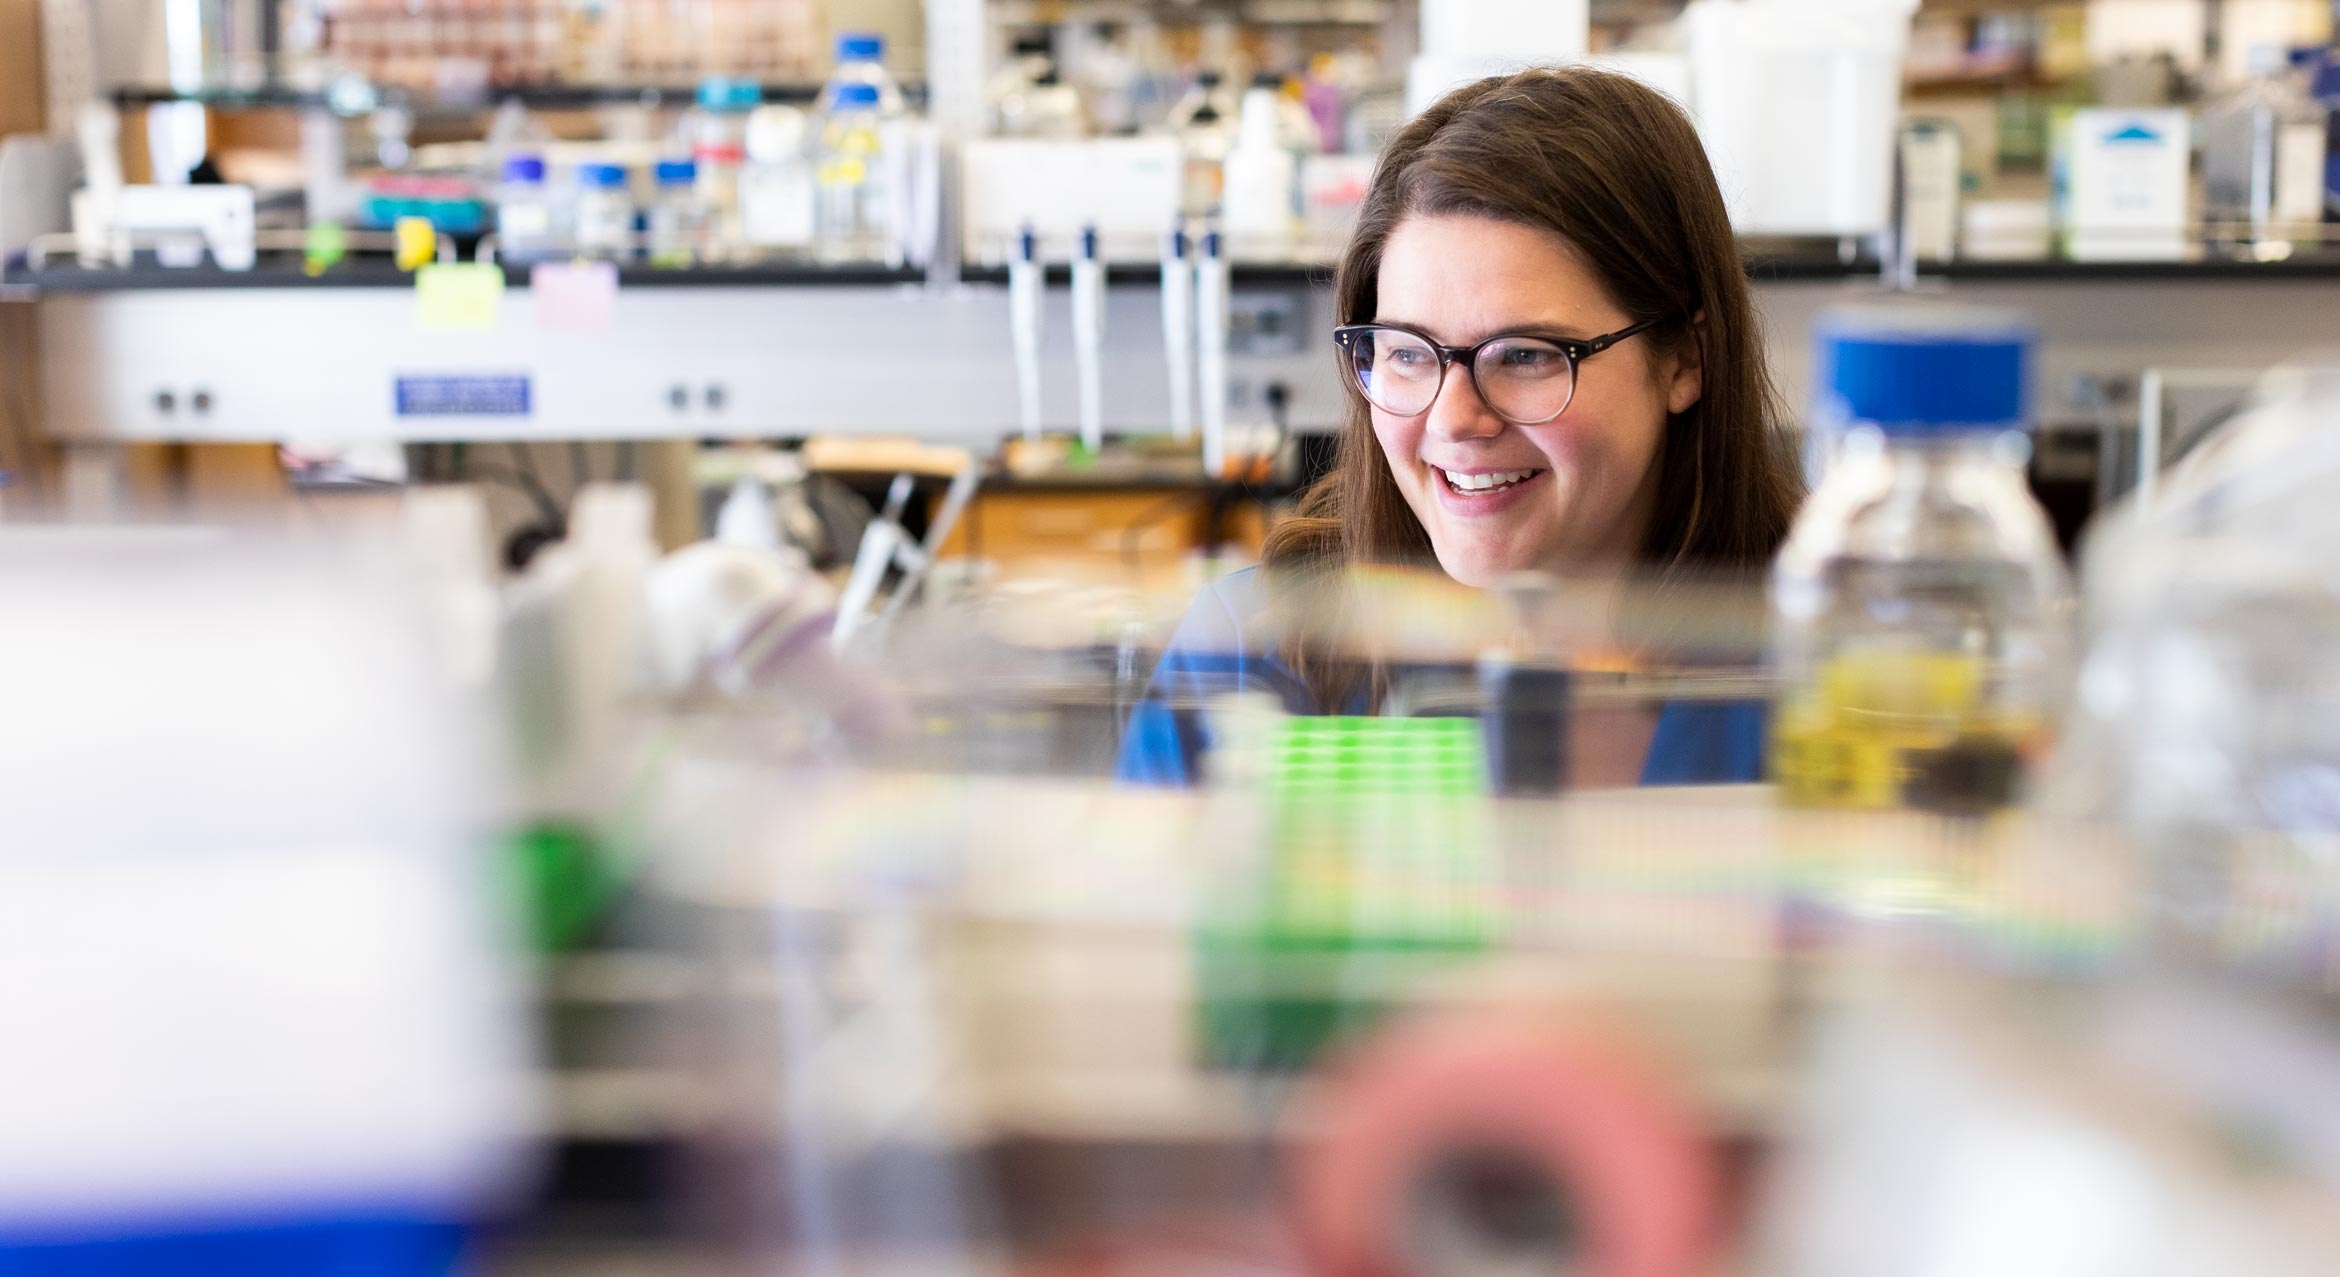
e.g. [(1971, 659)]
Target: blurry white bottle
[(1262, 177), (776, 187)]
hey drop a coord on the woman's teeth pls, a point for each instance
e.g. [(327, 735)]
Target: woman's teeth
[(1486, 482)]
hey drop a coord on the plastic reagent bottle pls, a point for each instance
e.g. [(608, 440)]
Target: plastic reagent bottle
[(1920, 605), (525, 227), (861, 59), (677, 219), (776, 187), (605, 211), (853, 221), (1262, 176), (718, 132)]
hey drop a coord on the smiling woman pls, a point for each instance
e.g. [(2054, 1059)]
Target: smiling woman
[(1553, 365)]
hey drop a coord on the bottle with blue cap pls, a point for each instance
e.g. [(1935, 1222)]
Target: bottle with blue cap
[(1920, 604), (861, 59), (526, 227), (605, 211), (677, 219), (855, 222)]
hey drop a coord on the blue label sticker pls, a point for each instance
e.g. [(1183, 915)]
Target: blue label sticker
[(463, 395)]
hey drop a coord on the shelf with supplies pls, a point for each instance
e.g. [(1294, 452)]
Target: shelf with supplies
[(63, 276), (355, 97), (287, 272)]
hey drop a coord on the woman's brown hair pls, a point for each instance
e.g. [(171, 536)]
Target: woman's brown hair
[(1614, 168)]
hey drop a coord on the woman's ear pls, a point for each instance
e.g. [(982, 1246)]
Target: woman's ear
[(1686, 380)]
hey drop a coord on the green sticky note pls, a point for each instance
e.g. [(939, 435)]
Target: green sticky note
[(465, 296)]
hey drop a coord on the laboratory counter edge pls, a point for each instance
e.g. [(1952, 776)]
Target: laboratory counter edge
[(21, 283)]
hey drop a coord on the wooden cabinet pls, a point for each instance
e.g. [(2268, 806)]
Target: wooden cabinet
[(1147, 532)]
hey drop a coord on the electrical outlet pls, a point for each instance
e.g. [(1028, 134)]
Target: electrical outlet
[(1266, 322)]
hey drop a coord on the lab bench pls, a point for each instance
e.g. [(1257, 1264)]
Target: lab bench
[(791, 350)]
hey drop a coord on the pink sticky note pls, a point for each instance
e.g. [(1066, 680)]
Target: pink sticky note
[(574, 297)]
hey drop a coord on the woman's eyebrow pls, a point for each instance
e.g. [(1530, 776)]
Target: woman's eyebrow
[(1573, 332)]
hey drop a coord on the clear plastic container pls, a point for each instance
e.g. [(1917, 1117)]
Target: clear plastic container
[(527, 225), (718, 137), (861, 59), (2263, 153), (1920, 605), (605, 211), (677, 219), (854, 224), (776, 207)]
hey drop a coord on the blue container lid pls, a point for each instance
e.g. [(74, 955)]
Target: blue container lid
[(601, 175), (1925, 371), (860, 46), (677, 172), (523, 168), (722, 93), (856, 95)]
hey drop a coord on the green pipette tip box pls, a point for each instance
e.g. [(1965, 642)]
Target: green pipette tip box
[(1379, 855)]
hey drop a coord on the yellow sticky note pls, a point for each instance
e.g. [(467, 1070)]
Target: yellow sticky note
[(458, 295)]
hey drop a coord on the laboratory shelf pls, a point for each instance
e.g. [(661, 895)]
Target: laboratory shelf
[(1765, 266), (286, 272), (1148, 274), (542, 97)]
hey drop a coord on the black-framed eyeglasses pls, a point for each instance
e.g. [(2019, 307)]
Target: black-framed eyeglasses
[(1527, 379)]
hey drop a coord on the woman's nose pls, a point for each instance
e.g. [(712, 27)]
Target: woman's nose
[(1458, 412)]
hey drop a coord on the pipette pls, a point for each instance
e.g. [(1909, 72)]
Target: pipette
[(1210, 303), (1178, 331), (1088, 307), (1025, 294)]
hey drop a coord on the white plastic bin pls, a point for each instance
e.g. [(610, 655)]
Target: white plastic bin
[(1797, 101)]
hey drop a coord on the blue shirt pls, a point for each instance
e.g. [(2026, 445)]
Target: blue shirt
[(1220, 647)]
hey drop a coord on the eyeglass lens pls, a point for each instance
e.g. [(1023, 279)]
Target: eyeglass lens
[(1524, 379)]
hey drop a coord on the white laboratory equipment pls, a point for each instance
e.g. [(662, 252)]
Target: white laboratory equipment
[(776, 188), (186, 223), (1178, 330), (1797, 102), (855, 223), (1027, 293), (1088, 321), (1920, 602), (1466, 40), (605, 210), (1211, 306)]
